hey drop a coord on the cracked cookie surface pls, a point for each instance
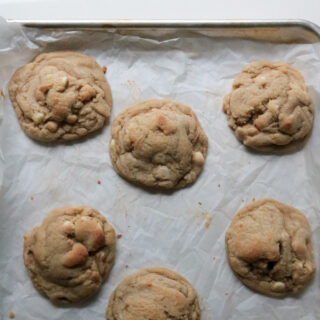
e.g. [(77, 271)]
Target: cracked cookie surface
[(71, 254), (156, 294), (158, 143), (60, 96), (269, 106), (269, 248)]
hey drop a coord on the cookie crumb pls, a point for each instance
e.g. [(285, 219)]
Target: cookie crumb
[(214, 258), (242, 200), (119, 236), (31, 198), (104, 69), (200, 203), (219, 185), (2, 94), (207, 218), (253, 199), (226, 294), (126, 266), (99, 182), (11, 315)]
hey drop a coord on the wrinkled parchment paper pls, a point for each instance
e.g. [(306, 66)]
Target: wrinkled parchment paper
[(183, 231)]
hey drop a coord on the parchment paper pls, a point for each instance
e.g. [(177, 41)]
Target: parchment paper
[(183, 231)]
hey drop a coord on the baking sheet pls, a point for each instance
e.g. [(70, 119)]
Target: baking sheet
[(183, 231)]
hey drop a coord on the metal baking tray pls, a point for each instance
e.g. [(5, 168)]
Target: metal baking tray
[(281, 31)]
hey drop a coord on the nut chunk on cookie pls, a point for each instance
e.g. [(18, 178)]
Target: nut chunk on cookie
[(269, 248), (60, 96), (269, 106), (71, 254), (154, 294), (158, 143)]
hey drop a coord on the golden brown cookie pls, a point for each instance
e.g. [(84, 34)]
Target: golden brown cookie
[(269, 248), (60, 96), (158, 143), (71, 254), (154, 294), (269, 106)]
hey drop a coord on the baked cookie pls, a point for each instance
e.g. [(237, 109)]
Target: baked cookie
[(71, 254), (269, 248), (60, 96), (158, 143), (154, 294), (269, 106)]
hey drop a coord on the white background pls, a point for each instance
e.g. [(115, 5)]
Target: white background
[(164, 9)]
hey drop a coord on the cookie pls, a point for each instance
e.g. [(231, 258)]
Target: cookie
[(269, 107), (70, 255), (158, 143), (154, 294), (269, 248), (60, 96)]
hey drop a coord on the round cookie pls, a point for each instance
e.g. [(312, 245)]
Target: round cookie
[(60, 96), (269, 106), (269, 248), (154, 294), (71, 254), (158, 143)]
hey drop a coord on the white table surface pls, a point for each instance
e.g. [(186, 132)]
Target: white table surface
[(163, 9)]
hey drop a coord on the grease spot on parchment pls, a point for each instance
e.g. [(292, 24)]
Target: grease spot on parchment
[(118, 205), (205, 215), (134, 91), (211, 100), (202, 304), (194, 55)]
